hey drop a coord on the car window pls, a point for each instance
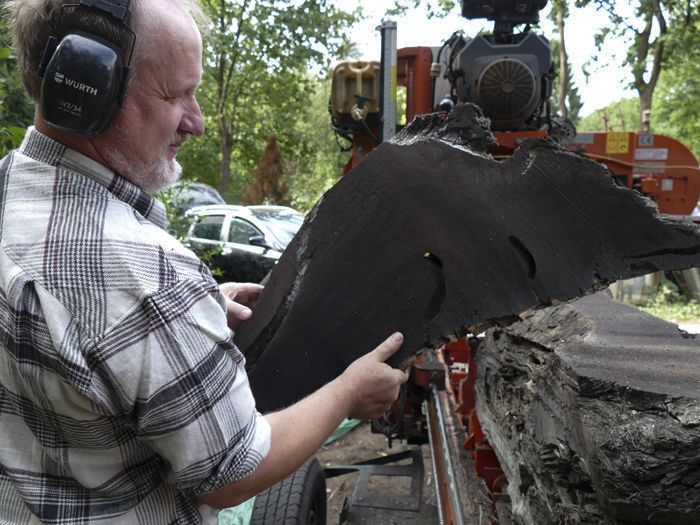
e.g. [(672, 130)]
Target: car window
[(284, 224), (241, 231), (208, 227)]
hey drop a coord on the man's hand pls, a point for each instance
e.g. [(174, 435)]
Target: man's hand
[(373, 384), (365, 390), (240, 300)]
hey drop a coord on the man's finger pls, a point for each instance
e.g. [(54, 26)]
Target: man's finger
[(250, 288), (231, 290), (389, 346), (238, 310)]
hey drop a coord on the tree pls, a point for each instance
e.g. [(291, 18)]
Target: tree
[(322, 161), (439, 8), (678, 93), (572, 99), (652, 34), (268, 186), (256, 71), (560, 11), (617, 116)]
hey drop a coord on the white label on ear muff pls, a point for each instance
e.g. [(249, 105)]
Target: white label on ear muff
[(60, 78), (68, 107)]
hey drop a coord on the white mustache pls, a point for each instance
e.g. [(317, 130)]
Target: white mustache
[(178, 139)]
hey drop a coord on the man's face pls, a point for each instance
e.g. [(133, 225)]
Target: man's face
[(160, 110)]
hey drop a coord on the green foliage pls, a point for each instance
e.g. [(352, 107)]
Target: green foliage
[(621, 115), (16, 110), (433, 9), (655, 31), (179, 224), (201, 157), (670, 304), (678, 94), (559, 5), (321, 162), (675, 101), (256, 81)]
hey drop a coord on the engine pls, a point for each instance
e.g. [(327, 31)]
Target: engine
[(509, 75)]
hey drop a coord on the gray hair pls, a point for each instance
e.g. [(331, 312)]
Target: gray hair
[(34, 21)]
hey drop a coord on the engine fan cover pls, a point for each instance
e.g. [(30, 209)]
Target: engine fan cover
[(506, 89)]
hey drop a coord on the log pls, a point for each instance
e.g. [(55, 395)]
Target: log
[(593, 409), (431, 236)]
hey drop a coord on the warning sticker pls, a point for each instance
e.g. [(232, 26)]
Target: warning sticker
[(650, 167), (651, 154), (617, 142), (646, 140)]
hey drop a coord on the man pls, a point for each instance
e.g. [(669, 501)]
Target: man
[(122, 396)]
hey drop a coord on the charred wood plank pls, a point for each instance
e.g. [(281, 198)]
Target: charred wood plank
[(429, 235), (593, 409)]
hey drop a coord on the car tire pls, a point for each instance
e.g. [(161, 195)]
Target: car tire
[(299, 499)]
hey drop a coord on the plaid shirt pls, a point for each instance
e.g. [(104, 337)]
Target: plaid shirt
[(122, 395)]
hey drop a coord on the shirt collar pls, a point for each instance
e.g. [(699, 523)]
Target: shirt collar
[(44, 149)]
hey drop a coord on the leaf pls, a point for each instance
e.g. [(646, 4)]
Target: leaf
[(16, 134)]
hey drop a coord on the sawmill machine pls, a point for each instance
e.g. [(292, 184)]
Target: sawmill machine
[(509, 73)]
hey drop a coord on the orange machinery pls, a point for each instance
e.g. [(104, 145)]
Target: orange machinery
[(658, 166)]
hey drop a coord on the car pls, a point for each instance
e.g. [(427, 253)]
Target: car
[(241, 243), (185, 195)]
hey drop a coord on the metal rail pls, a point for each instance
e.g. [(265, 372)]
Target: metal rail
[(445, 471)]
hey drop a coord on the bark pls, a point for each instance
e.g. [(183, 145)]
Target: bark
[(431, 236), (563, 63), (644, 45), (226, 155), (593, 409)]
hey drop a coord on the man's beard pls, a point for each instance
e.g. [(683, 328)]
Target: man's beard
[(152, 177)]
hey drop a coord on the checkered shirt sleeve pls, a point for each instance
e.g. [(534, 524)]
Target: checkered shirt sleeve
[(122, 395)]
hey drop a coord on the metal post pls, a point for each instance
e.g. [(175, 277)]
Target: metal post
[(388, 80)]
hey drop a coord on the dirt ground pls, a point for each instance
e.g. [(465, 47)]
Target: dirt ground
[(361, 445)]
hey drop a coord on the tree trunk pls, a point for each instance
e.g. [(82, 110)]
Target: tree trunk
[(226, 154), (645, 100), (563, 62), (644, 45)]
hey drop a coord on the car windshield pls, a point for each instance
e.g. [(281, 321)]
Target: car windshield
[(282, 223)]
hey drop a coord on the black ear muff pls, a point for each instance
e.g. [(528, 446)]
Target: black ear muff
[(83, 84)]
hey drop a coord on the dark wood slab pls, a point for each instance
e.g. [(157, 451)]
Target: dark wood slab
[(431, 236), (593, 409)]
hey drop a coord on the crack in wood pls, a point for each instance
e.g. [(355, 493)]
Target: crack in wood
[(432, 309)]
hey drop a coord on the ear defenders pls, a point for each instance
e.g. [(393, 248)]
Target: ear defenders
[(84, 77)]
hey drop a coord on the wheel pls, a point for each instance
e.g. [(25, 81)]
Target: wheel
[(299, 499)]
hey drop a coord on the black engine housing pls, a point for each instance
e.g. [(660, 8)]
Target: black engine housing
[(509, 77)]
